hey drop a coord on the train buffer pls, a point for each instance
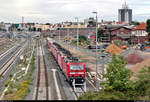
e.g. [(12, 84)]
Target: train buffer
[(77, 85)]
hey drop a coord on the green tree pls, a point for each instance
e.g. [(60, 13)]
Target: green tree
[(29, 29), (148, 28), (135, 23), (100, 33), (33, 29), (118, 77), (82, 38), (92, 23), (39, 29), (47, 24), (119, 86), (129, 41), (142, 85)]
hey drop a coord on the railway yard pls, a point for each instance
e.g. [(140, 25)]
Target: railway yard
[(30, 70)]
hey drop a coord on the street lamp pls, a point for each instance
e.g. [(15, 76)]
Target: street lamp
[(59, 33), (77, 33), (103, 71), (96, 56), (68, 38)]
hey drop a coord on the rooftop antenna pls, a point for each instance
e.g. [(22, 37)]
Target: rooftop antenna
[(22, 21), (125, 5)]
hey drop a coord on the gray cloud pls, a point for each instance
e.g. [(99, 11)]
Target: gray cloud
[(62, 10)]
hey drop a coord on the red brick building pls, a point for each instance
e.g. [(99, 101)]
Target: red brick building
[(140, 34), (136, 34), (121, 33)]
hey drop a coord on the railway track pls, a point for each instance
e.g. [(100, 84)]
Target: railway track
[(9, 50), (78, 92), (68, 89), (6, 66), (42, 92), (6, 52)]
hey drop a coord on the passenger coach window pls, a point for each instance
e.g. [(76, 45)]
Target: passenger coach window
[(76, 67)]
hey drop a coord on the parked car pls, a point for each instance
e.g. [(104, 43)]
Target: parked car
[(94, 47), (54, 35), (98, 47), (142, 47), (105, 46)]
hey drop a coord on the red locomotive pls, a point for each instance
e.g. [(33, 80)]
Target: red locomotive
[(73, 70)]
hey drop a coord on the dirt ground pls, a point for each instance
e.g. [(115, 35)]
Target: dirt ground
[(87, 59), (91, 66), (137, 67)]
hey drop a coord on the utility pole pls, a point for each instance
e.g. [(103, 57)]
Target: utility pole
[(23, 24), (103, 72), (138, 38), (59, 33), (68, 38), (77, 33), (97, 85)]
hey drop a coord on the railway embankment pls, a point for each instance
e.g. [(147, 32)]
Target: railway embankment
[(20, 79)]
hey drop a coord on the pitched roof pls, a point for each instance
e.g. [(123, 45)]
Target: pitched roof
[(142, 26), (120, 22), (121, 27)]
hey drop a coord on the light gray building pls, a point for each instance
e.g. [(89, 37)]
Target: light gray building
[(90, 21), (125, 14)]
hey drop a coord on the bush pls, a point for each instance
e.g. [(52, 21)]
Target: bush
[(23, 87), (82, 38), (22, 90), (120, 43), (87, 96), (129, 41), (9, 91), (74, 42), (88, 42), (8, 82), (10, 76), (110, 95), (137, 90), (103, 95)]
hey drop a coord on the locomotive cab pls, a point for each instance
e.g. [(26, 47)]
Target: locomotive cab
[(76, 72)]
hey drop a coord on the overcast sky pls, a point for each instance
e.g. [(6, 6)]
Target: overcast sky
[(54, 11)]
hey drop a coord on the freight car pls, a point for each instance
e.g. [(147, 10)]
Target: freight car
[(73, 70)]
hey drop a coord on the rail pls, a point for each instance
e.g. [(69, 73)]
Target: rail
[(42, 92), (10, 61)]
